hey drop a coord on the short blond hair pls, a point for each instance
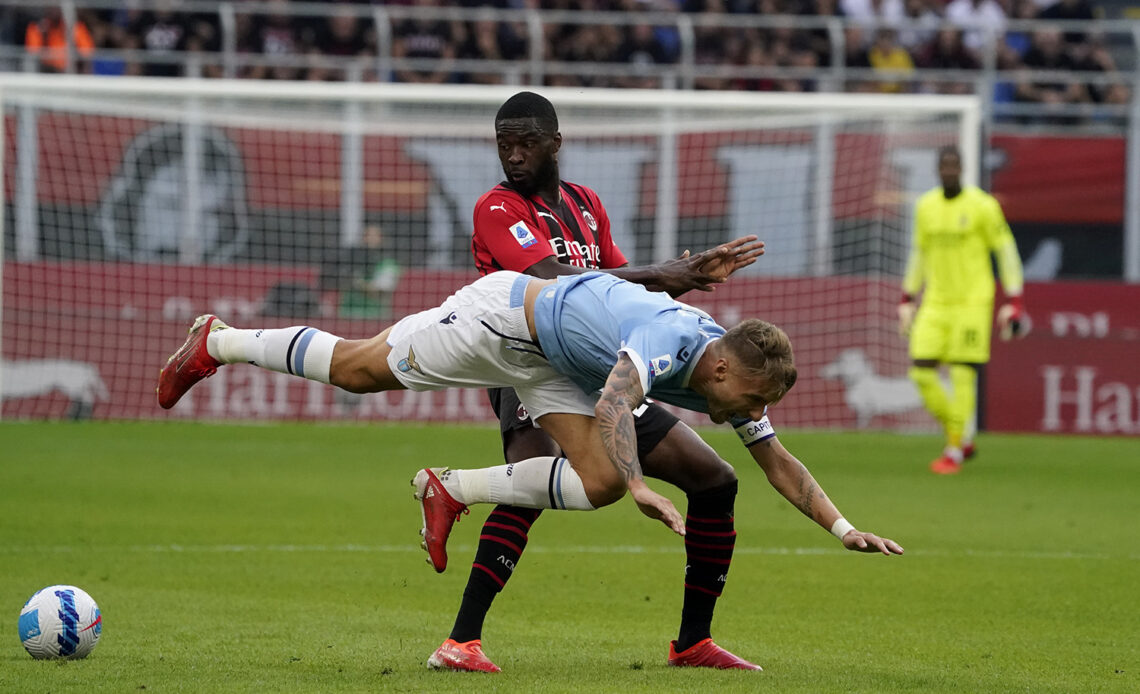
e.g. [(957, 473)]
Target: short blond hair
[(764, 350)]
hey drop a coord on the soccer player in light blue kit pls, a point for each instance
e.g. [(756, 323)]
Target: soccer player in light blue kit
[(582, 352)]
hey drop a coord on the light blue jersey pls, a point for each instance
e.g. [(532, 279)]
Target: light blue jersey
[(585, 321)]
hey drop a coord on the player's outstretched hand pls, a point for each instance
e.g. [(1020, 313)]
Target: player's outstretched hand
[(656, 506), (727, 258), (870, 542), (710, 267)]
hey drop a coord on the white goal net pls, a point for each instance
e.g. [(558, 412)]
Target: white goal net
[(132, 205)]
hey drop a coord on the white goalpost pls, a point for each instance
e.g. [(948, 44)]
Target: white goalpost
[(133, 204)]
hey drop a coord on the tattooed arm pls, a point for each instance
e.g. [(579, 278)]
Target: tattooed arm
[(789, 477), (620, 396)]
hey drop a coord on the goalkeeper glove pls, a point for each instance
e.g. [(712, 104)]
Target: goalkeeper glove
[(1012, 319), (907, 309)]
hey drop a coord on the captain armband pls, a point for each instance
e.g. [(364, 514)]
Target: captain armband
[(756, 431)]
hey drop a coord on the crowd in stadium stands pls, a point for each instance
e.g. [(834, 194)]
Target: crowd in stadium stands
[(893, 37)]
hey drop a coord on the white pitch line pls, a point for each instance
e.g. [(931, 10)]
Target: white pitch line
[(545, 549)]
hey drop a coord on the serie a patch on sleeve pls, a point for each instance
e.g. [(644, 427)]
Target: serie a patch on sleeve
[(523, 235), (755, 431)]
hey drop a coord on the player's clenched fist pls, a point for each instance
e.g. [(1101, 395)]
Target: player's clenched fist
[(1012, 319)]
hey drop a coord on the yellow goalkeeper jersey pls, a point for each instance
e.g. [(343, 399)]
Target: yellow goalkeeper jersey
[(951, 247)]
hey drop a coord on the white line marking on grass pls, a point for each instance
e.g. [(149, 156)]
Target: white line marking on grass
[(544, 549)]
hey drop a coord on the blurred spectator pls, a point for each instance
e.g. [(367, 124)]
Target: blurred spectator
[(1019, 41), (947, 52), (205, 37), (818, 40), (668, 35), (758, 56), (113, 37), (591, 44), (275, 35), (979, 18), (802, 59), (855, 56), (886, 56), (919, 25), (642, 49), (728, 54), (162, 34), (710, 49), (362, 278), (1069, 10), (340, 35), (1094, 56), (873, 14), (1048, 53), (491, 40), (48, 39), (430, 39)]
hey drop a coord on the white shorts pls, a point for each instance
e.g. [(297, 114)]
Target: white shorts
[(478, 339)]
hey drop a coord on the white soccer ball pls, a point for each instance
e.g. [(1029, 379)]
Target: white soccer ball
[(60, 622)]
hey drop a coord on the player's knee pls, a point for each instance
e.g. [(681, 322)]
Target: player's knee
[(603, 485), (715, 473), (604, 492)]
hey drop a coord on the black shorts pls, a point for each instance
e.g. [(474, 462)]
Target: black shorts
[(651, 421)]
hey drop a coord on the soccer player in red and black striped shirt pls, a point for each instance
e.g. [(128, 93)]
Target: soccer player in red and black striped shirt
[(534, 222)]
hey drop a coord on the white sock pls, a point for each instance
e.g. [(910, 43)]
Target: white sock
[(298, 350), (543, 482)]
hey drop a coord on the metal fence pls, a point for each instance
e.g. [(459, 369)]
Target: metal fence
[(1105, 83)]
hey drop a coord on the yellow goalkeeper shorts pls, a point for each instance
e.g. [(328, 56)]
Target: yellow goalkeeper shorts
[(952, 334)]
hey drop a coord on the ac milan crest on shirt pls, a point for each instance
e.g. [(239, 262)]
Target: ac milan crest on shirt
[(590, 221)]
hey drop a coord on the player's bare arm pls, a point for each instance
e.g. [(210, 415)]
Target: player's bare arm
[(792, 479), (621, 394), (614, 411), (676, 276)]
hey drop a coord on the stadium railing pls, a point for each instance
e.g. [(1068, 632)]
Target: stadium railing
[(994, 81)]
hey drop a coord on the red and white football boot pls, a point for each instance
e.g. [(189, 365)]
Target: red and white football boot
[(945, 465), (190, 364), (705, 653), (440, 512), (465, 657)]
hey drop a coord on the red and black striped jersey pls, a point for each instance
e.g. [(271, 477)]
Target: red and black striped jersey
[(513, 232)]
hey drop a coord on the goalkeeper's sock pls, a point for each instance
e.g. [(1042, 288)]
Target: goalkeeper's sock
[(964, 380), (542, 482), (931, 390), (501, 544), (710, 537), (298, 351)]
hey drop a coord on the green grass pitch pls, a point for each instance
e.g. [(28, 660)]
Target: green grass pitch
[(285, 558)]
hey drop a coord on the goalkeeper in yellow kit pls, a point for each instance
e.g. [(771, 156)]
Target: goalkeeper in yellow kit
[(955, 231)]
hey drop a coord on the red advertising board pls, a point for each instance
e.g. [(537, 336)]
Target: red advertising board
[(89, 338), (1059, 180), (1078, 371)]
